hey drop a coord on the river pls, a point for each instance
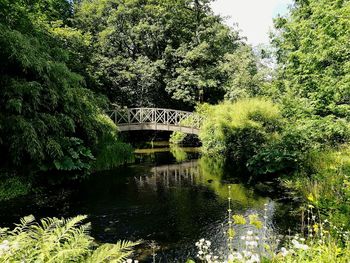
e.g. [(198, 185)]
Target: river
[(173, 197)]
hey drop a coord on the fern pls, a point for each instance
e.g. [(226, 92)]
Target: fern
[(58, 240), (118, 252)]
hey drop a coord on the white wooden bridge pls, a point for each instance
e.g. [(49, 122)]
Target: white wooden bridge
[(132, 119)]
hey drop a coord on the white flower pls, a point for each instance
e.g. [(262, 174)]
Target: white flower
[(253, 243), (201, 240), (208, 243), (129, 260), (284, 251), (235, 256), (208, 257), (4, 247), (246, 253), (298, 245), (254, 258), (249, 232)]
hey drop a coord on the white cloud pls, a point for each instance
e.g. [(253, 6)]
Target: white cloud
[(254, 17)]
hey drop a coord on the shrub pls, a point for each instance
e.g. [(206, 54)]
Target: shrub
[(239, 130), (253, 134)]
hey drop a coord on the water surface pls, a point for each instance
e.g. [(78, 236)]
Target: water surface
[(170, 196)]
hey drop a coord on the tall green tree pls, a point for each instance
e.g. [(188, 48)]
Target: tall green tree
[(313, 51), (156, 53), (48, 120)]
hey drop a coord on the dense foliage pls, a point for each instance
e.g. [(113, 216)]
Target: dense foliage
[(58, 240), (154, 53), (239, 130), (48, 120), (313, 54)]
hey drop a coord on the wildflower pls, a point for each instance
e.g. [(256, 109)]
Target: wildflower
[(235, 256), (4, 246), (299, 245), (249, 232), (246, 253), (129, 260), (208, 243), (254, 243), (254, 258), (284, 251)]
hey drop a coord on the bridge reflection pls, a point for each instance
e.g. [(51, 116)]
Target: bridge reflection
[(203, 172), (186, 173)]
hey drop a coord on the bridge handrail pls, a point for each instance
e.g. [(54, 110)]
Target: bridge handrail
[(129, 116)]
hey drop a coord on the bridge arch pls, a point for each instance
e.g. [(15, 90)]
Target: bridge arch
[(159, 119)]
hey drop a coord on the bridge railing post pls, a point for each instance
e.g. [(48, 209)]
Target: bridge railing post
[(128, 113), (141, 116)]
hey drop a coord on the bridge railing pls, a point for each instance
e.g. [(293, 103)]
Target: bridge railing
[(130, 116)]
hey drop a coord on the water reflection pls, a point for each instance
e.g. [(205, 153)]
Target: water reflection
[(203, 172)]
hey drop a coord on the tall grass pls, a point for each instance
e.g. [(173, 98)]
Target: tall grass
[(325, 182)]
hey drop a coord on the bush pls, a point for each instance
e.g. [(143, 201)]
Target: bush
[(253, 134), (240, 130)]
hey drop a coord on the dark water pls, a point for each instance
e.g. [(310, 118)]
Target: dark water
[(170, 196)]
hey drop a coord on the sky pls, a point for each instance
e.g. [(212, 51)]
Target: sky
[(254, 17)]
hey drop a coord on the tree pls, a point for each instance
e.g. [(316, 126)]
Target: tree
[(313, 51), (48, 120), (156, 53)]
